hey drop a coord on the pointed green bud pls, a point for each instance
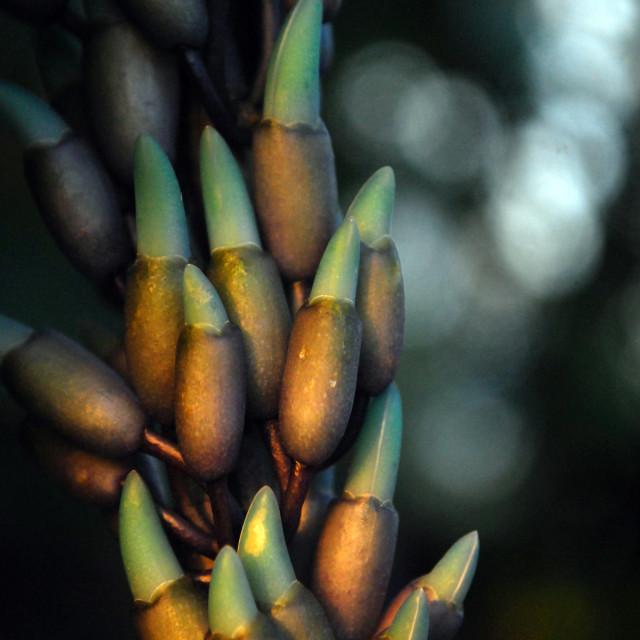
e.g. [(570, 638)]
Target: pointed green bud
[(202, 304), (231, 604), (228, 210), (374, 468), (263, 550), (148, 559), (29, 117), (372, 208), (337, 275), (12, 334), (412, 620), (292, 90), (160, 218), (451, 578)]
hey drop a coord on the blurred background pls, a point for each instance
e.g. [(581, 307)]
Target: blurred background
[(512, 126)]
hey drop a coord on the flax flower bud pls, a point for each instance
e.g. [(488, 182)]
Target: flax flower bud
[(380, 302), (210, 382), (357, 544), (319, 380), (73, 192), (153, 308), (265, 558), (246, 278), (166, 603), (71, 390), (293, 163)]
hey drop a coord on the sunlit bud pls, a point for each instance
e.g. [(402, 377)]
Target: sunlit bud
[(166, 603), (337, 275), (148, 559), (154, 308), (232, 609), (355, 552), (412, 620), (246, 278), (210, 382), (445, 586), (264, 555), (374, 467), (319, 380)]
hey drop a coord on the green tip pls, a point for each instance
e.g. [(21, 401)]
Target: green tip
[(292, 90), (337, 274), (160, 219), (452, 576), (29, 117), (12, 334), (149, 561), (228, 211), (231, 605), (202, 304), (263, 550), (412, 620), (374, 467), (372, 207)]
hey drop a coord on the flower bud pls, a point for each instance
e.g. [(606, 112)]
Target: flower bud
[(69, 388)]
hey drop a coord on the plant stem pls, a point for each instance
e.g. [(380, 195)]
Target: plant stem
[(189, 533), (294, 498)]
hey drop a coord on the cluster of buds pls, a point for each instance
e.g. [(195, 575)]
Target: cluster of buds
[(209, 433)]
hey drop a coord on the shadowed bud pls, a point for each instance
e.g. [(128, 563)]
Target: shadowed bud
[(232, 610), (411, 621), (154, 314), (71, 188), (70, 389), (263, 551), (85, 476), (246, 278), (210, 382), (131, 88), (380, 302), (172, 22), (292, 89), (167, 604), (445, 586), (356, 548), (12, 334), (229, 214), (318, 385), (31, 119)]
